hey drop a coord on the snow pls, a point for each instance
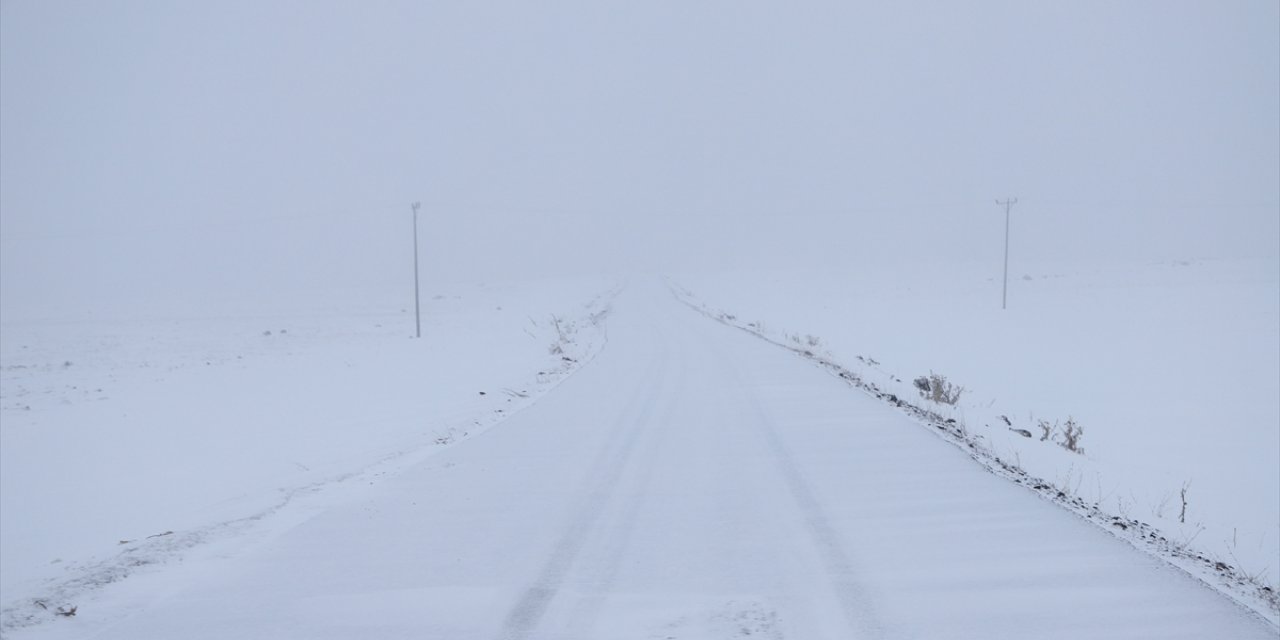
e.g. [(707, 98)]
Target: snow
[(690, 481), (1172, 370), (115, 432), (213, 419)]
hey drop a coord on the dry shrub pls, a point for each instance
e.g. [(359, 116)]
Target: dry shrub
[(938, 389)]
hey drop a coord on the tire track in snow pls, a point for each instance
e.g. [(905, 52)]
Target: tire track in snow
[(853, 599), (525, 615), (604, 574)]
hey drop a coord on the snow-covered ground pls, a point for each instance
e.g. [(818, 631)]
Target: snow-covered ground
[(690, 481), (125, 441), (1172, 370)]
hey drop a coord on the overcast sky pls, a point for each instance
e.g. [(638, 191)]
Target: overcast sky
[(212, 146)]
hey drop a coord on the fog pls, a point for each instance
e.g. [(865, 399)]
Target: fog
[(159, 151)]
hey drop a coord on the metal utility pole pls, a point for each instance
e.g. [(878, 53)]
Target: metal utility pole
[(1004, 295), (417, 309)]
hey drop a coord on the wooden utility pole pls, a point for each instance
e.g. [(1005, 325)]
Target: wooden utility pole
[(417, 308), (1004, 295)]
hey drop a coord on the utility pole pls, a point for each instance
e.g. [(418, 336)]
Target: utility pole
[(1007, 204), (417, 309)]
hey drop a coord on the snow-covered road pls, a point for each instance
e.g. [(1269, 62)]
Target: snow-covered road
[(690, 482)]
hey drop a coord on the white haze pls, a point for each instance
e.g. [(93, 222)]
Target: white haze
[(186, 155)]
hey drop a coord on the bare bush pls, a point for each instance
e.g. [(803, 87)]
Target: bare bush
[(564, 335), (1071, 432), (922, 383), (938, 389), (1182, 515), (1046, 429)]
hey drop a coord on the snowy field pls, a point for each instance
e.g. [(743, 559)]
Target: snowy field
[(125, 440), (688, 481), (1172, 371)]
